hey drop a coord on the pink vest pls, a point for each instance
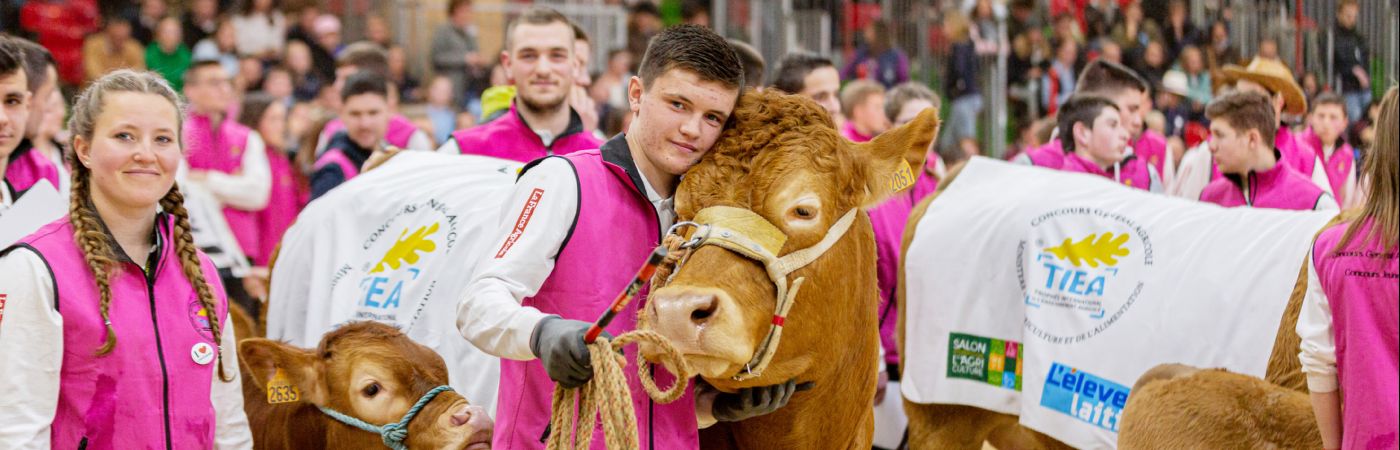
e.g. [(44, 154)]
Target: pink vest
[(1152, 147), (1294, 151), (283, 204), (1360, 283), (592, 267), (27, 167), (148, 392), (398, 133), (849, 132), (1049, 155), (1338, 166), (1280, 188), (1134, 173), (222, 150), (337, 157), (509, 137), (889, 220)]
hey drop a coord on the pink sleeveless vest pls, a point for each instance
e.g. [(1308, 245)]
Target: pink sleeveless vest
[(398, 133), (1294, 151), (1050, 155), (889, 221), (27, 167), (337, 157), (1134, 173), (1280, 188), (509, 137), (222, 150), (1152, 147), (1361, 287), (592, 267), (849, 132), (1338, 166), (283, 204), (149, 392)]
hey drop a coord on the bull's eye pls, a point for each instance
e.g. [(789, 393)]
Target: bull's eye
[(803, 212), (371, 390)]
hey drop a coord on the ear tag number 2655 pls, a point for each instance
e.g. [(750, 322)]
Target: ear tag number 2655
[(281, 390)]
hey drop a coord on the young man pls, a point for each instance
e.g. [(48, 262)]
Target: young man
[(27, 166), (1325, 126), (1093, 135), (225, 157), (812, 76), (1242, 130), (1126, 90), (863, 104), (576, 229), (364, 108), (540, 60), (1275, 81), (401, 132), (14, 114)]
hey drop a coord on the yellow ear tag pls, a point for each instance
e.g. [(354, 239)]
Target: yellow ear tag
[(281, 390), (902, 178)]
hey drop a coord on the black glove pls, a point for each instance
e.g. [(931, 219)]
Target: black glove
[(558, 343), (754, 401)]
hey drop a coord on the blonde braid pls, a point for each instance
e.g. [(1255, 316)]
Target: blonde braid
[(174, 204), (97, 250)]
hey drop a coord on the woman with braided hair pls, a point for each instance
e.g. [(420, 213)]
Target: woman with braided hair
[(113, 335)]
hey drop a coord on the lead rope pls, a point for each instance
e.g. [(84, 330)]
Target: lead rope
[(607, 392)]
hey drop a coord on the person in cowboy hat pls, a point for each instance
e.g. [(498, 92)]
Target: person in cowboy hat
[(1273, 79)]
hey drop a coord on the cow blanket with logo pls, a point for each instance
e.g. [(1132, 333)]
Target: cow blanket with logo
[(397, 245), (1045, 294)]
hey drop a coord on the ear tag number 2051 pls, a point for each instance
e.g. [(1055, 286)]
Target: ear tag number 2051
[(281, 390)]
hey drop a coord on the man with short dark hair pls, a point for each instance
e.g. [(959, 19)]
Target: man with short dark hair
[(575, 230), (1351, 57), (541, 61), (1242, 130), (810, 75), (27, 166), (1337, 174), (370, 57), (364, 110), (14, 113)]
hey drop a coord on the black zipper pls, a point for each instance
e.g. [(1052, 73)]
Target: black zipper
[(160, 354)]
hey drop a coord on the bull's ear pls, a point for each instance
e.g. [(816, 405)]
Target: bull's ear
[(894, 159), (263, 358)]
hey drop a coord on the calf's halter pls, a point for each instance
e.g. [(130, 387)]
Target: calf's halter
[(743, 231), (393, 434)]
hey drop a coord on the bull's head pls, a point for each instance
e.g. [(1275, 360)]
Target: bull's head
[(779, 199), (374, 373)]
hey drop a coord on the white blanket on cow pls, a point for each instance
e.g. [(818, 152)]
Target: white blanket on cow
[(1098, 281), (396, 245)]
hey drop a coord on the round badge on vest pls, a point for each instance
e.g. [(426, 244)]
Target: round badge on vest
[(202, 353)]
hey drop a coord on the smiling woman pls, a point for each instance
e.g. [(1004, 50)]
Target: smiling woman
[(126, 263)]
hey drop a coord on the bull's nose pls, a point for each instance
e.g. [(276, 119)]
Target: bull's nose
[(474, 417), (692, 308)]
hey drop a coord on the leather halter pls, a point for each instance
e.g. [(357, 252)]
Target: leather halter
[(743, 231)]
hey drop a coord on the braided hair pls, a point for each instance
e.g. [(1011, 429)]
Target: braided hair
[(87, 226)]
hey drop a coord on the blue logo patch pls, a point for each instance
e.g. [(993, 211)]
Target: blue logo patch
[(1081, 395)]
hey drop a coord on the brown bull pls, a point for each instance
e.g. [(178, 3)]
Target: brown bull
[(785, 163), (1219, 414), (366, 370)]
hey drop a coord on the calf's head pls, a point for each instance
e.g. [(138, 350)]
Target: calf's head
[(787, 179), (374, 373)]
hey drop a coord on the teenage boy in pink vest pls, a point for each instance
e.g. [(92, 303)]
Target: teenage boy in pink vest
[(1275, 81), (1242, 130), (225, 157), (14, 113), (364, 108), (1093, 137), (576, 229), (540, 60), (26, 165), (1125, 89), (400, 131), (1334, 168)]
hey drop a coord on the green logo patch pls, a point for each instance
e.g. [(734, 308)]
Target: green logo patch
[(992, 361)]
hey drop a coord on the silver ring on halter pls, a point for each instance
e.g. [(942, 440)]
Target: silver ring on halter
[(701, 232)]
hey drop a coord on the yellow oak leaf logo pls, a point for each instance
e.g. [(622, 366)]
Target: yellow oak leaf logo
[(406, 249), (1105, 248)]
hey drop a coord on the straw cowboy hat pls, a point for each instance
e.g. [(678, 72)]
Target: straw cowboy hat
[(1275, 77), (1174, 81)]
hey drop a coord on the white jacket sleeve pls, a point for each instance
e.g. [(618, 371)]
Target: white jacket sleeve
[(231, 431), (250, 188), (31, 352), (1317, 350), (518, 259)]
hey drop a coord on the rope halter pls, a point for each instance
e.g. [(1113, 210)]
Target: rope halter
[(393, 434), (743, 231)]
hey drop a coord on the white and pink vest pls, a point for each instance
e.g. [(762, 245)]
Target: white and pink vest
[(222, 150), (615, 230), (149, 392), (1361, 286)]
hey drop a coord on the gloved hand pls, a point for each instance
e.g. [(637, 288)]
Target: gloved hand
[(754, 401), (559, 345)]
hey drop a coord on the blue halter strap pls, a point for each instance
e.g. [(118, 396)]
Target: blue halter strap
[(393, 434)]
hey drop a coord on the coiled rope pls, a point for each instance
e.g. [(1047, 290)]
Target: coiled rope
[(607, 393)]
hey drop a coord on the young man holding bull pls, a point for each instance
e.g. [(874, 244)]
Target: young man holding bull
[(575, 230)]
